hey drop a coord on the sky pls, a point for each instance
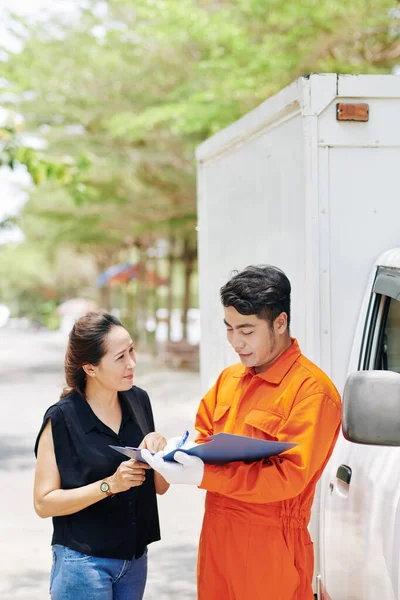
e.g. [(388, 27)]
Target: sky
[(31, 8), (13, 185)]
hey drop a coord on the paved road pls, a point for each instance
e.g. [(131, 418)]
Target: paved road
[(30, 380)]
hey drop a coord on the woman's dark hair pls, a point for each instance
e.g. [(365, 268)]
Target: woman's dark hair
[(263, 291), (86, 345)]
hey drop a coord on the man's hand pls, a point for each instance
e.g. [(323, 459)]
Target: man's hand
[(173, 442), (155, 442), (187, 469)]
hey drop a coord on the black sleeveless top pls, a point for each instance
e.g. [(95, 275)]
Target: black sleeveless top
[(120, 526)]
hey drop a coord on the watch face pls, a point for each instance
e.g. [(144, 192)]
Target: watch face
[(104, 487)]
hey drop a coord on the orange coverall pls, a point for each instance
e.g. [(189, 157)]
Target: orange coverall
[(254, 542)]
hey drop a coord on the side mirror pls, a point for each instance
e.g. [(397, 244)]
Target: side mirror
[(371, 408)]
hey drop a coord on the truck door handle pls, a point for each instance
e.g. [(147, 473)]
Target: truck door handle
[(344, 474)]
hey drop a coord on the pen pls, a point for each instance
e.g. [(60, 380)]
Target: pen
[(183, 439)]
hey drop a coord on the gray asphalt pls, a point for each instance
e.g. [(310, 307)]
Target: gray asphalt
[(31, 378)]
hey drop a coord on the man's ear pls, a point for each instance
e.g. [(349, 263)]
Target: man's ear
[(89, 370), (280, 323)]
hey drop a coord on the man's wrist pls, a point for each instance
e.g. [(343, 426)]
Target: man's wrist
[(211, 479)]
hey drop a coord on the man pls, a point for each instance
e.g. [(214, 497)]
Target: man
[(254, 541)]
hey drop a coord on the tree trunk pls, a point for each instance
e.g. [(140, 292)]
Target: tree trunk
[(154, 305), (102, 263), (170, 276), (105, 298), (131, 318), (141, 301), (188, 261)]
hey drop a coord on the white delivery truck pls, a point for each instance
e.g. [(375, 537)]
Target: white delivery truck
[(310, 181)]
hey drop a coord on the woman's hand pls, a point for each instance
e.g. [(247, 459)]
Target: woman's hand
[(130, 473), (154, 442)]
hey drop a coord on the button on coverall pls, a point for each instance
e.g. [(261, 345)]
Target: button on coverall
[(254, 543)]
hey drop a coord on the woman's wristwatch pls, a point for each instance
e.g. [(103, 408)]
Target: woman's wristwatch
[(105, 488)]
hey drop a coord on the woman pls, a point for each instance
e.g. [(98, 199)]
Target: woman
[(104, 507)]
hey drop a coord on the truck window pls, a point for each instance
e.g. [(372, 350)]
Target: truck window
[(380, 347), (388, 347)]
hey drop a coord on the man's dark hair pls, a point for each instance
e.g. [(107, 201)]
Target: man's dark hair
[(263, 291)]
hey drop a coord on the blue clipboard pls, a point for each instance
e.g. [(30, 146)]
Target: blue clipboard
[(223, 448)]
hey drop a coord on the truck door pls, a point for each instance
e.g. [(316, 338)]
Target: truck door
[(360, 489)]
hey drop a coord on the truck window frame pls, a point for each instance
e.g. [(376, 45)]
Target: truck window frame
[(385, 288), (369, 328)]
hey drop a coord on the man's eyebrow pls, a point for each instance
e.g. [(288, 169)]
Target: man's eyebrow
[(123, 351), (241, 326)]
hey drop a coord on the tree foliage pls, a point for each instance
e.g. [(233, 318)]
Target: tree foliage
[(124, 93)]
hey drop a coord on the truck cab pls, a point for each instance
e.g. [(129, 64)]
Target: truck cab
[(360, 489)]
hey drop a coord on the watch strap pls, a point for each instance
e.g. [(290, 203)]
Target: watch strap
[(107, 491)]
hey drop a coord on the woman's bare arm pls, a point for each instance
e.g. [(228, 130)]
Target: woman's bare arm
[(52, 501)]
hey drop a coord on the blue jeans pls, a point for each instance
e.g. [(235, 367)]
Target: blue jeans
[(77, 576)]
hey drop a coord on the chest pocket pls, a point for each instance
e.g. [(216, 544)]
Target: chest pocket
[(220, 416), (262, 424)]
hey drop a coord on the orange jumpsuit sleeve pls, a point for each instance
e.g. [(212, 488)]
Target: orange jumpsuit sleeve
[(314, 425), (204, 417)]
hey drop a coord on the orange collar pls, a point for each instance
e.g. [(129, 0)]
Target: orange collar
[(279, 368)]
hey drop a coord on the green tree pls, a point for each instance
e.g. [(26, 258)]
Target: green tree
[(126, 92)]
